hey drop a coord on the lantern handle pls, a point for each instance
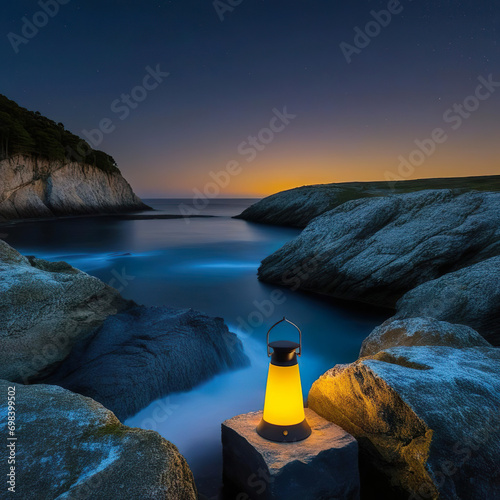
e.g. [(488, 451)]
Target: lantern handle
[(293, 324)]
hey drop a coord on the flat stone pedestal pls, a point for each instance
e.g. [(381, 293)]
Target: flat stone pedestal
[(323, 466)]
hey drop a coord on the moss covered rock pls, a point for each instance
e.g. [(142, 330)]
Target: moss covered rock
[(70, 447)]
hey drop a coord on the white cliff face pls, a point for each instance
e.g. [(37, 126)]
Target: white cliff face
[(32, 187)]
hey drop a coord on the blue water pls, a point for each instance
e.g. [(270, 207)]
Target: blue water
[(208, 264)]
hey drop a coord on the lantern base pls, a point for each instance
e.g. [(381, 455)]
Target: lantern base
[(284, 433)]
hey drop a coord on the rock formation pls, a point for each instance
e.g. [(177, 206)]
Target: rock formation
[(470, 296), (325, 465), (297, 207), (419, 331), (423, 398), (45, 307), (31, 187), (70, 447), (426, 418), (144, 353), (376, 250)]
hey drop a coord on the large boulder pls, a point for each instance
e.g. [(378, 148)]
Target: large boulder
[(470, 296), (70, 447), (419, 331), (142, 354), (375, 250), (426, 419), (45, 307)]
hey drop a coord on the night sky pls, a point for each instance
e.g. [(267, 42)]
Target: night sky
[(352, 120)]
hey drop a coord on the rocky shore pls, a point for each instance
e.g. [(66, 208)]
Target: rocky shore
[(297, 207), (59, 321), (422, 399), (428, 253), (62, 327), (143, 353)]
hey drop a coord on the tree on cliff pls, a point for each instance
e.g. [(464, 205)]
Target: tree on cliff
[(30, 133)]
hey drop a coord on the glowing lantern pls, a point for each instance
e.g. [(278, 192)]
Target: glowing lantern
[(284, 418)]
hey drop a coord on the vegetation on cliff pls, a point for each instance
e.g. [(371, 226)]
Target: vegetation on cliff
[(299, 206), (30, 133)]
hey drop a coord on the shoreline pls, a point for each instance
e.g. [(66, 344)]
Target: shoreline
[(115, 216)]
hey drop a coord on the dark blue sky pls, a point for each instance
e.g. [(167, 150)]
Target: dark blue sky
[(353, 120)]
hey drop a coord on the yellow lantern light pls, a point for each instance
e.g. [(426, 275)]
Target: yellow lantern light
[(284, 418)]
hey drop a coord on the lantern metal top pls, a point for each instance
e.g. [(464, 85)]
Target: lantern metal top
[(284, 343)]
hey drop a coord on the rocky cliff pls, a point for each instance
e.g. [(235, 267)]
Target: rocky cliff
[(34, 187), (299, 206)]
